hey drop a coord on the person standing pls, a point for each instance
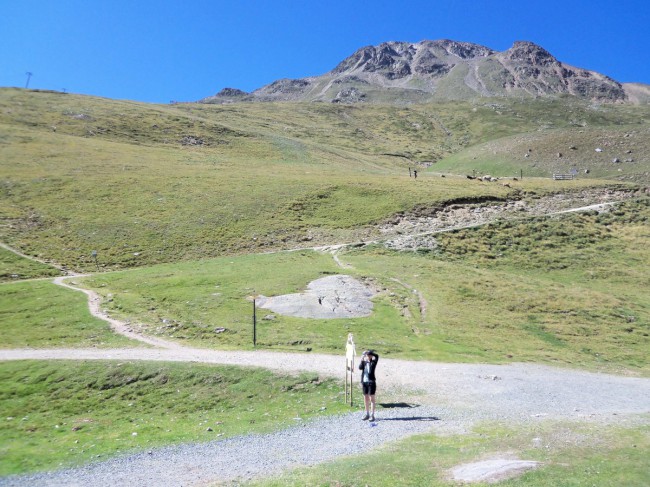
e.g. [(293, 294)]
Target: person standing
[(368, 365)]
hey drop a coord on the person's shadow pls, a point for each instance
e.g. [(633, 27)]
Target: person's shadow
[(393, 405)]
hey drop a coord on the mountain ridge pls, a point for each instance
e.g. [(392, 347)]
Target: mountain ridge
[(445, 69)]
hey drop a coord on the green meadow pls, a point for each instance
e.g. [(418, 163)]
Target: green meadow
[(193, 210), (13, 268), (40, 314), (535, 290)]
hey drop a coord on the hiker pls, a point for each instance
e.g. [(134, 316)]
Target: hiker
[(368, 365), (415, 173)]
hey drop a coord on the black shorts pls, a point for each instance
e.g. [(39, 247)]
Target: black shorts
[(369, 388)]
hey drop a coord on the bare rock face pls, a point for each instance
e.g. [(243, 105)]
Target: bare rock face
[(231, 92), (535, 71), (397, 60), (350, 95), (228, 95), (392, 59), (283, 89), (528, 53), (443, 69)]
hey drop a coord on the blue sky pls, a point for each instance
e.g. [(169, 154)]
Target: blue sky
[(158, 51)]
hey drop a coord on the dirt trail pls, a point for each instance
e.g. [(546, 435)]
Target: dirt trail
[(120, 327)]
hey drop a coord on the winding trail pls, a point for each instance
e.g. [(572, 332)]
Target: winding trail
[(119, 327)]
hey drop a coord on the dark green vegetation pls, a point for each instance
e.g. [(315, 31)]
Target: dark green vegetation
[(144, 184), (73, 412), (570, 455)]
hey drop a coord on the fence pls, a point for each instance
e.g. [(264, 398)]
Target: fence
[(563, 177)]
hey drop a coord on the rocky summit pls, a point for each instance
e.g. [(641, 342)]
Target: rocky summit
[(443, 70)]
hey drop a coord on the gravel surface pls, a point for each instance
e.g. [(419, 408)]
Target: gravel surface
[(243, 457), (449, 398)]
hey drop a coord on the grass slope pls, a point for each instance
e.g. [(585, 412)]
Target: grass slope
[(13, 267), (144, 184), (66, 413), (39, 314), (170, 185), (568, 290)]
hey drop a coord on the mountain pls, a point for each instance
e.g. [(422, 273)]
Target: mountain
[(443, 70)]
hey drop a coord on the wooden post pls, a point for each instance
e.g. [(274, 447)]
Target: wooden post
[(346, 381), (94, 256), (351, 386), (254, 324)]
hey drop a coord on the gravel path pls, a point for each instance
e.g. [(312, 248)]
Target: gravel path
[(449, 398), (240, 458)]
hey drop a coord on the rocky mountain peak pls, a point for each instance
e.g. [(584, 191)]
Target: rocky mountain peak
[(530, 53), (463, 50), (390, 56), (444, 69), (232, 92)]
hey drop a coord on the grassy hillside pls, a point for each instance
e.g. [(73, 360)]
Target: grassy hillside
[(567, 290), (617, 153), (143, 184), (14, 267), (40, 314)]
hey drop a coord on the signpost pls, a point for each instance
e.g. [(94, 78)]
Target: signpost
[(350, 352)]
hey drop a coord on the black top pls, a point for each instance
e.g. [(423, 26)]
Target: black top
[(368, 374)]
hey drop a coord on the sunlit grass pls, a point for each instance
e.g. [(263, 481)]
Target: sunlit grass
[(66, 413), (40, 314), (568, 455)]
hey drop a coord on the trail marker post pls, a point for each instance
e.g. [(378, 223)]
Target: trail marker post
[(93, 254), (350, 352), (254, 322)]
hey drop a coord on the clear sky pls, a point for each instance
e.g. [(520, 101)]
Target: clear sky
[(184, 50)]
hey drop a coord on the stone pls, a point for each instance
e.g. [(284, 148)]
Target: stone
[(492, 471)]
